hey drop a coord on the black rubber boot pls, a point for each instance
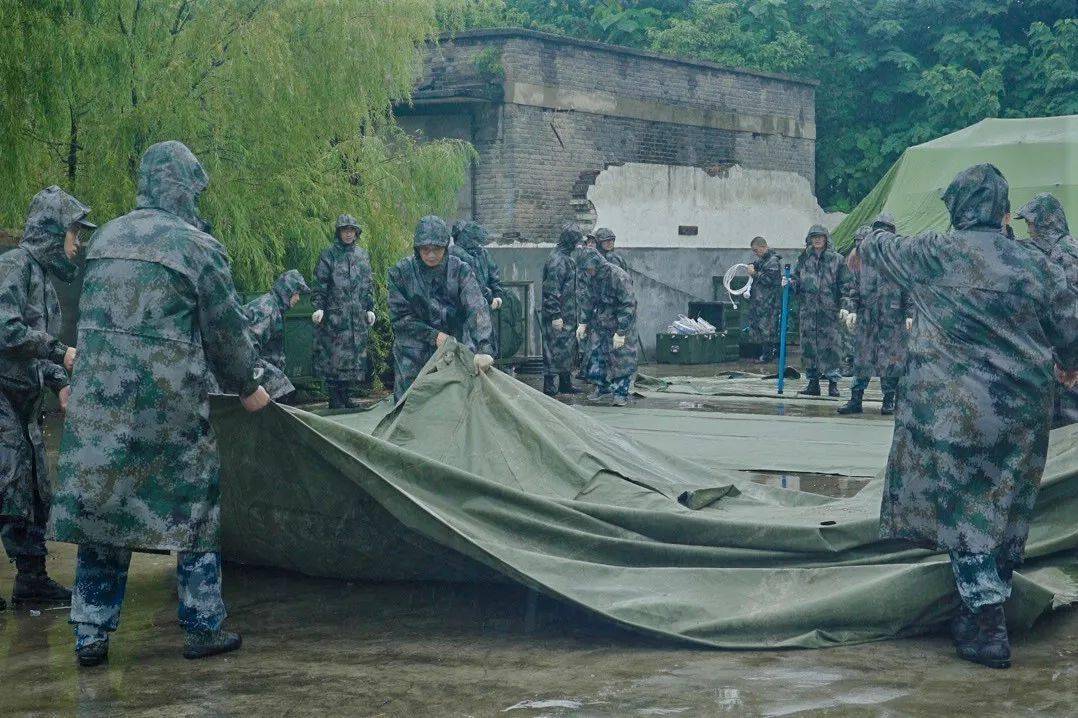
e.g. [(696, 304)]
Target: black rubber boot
[(963, 627), (33, 585), (203, 644), (853, 406), (888, 406), (991, 646), (832, 388), (93, 654), (813, 388), (565, 384), (550, 387)]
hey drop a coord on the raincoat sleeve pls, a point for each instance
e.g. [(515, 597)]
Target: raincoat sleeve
[(851, 296), (795, 275), (906, 261), (625, 311), (223, 324), (259, 322), (401, 313), (497, 291), (323, 274), (472, 299), (583, 297), (552, 283), (17, 339), (1061, 320), (368, 283), (769, 273)]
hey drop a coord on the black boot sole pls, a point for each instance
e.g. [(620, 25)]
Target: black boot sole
[(193, 654), (92, 660), (844, 411), (987, 662)]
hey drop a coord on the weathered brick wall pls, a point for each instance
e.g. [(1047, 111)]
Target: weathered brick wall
[(561, 110)]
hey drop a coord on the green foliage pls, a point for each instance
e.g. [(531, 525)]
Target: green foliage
[(892, 72), (286, 102), (488, 63)]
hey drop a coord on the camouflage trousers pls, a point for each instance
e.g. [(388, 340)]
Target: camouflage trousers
[(101, 580), (981, 578), (22, 538), (888, 384), (597, 370)]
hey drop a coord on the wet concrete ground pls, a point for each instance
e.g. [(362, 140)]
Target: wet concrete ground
[(322, 647)]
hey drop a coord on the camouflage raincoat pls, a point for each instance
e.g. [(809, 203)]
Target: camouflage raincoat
[(265, 317), (561, 296), (611, 310), (605, 235), (821, 281), (138, 460), (470, 247), (972, 433), (1051, 235), (880, 335), (344, 291), (765, 299), (31, 357), (424, 301)]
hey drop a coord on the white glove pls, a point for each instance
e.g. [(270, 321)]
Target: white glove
[(619, 341), (483, 362), (851, 321), (317, 316), (785, 281), (581, 330), (496, 303), (558, 324), (909, 324), (370, 318)]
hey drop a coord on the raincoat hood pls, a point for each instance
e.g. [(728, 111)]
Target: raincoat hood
[(818, 230), (1045, 213), (885, 221), (471, 236), (52, 212), (863, 231), (977, 198), (171, 179), (346, 220), (571, 236), (289, 283), (432, 231), (604, 235)]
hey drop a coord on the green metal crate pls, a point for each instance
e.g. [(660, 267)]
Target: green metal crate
[(689, 349)]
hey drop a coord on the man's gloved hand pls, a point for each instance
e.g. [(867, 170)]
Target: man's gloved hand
[(483, 362), (317, 316), (909, 324), (257, 401), (751, 270), (786, 281), (69, 359), (371, 318), (496, 303), (558, 324), (1067, 378), (851, 321), (581, 332), (619, 341), (440, 339)]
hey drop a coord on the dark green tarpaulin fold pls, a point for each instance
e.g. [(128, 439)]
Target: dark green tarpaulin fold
[(485, 479)]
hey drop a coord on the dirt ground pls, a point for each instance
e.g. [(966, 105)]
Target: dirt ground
[(322, 647)]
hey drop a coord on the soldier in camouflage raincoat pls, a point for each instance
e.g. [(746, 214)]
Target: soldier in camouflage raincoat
[(609, 323), (343, 300), (433, 296), (1048, 232), (604, 242), (879, 311), (765, 299), (821, 279), (265, 317), (139, 467), (469, 245), (559, 314), (31, 360), (971, 431)]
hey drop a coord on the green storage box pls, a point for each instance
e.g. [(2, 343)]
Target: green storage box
[(689, 348)]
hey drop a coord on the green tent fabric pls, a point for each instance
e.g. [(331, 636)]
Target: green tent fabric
[(485, 479), (1035, 155), (744, 384)]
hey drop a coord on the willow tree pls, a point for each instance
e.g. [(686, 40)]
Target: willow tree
[(288, 103)]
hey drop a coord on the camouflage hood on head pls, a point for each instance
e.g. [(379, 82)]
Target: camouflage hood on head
[(471, 236), (346, 220), (52, 212), (571, 236), (591, 258), (818, 230), (431, 231), (1045, 213), (289, 283), (977, 198), (885, 221), (604, 235), (863, 231), (171, 179)]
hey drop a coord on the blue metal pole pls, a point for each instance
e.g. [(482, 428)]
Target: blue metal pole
[(782, 328)]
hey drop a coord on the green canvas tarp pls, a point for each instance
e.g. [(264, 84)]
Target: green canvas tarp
[(485, 479), (1038, 154)]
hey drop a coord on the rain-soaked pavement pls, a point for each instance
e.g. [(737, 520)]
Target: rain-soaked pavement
[(323, 647)]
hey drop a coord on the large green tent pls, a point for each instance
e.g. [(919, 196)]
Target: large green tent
[(1038, 154)]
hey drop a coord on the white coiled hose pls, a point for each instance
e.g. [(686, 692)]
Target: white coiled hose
[(731, 273)]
